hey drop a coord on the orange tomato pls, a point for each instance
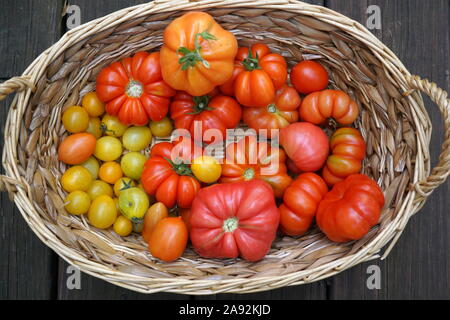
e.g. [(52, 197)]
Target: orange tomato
[(92, 104), (77, 148), (169, 239), (155, 214), (110, 172)]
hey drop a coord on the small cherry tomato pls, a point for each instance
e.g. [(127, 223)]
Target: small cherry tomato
[(161, 128), (95, 127), (75, 119), (76, 178), (77, 203), (110, 172), (133, 164), (108, 149), (112, 126), (309, 76), (116, 201), (92, 166), (122, 183), (99, 188), (154, 214), (102, 213), (123, 226), (77, 148), (169, 239), (137, 138), (206, 169), (92, 104)]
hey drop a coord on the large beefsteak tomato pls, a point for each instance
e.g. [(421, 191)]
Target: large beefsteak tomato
[(197, 54), (300, 203), (350, 209), (234, 219), (133, 89), (348, 149), (249, 159)]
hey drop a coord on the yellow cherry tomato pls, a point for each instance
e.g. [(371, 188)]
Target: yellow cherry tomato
[(93, 105), (137, 138), (95, 127), (116, 201), (108, 149), (121, 184), (92, 166), (162, 128), (102, 213), (206, 169), (99, 188), (76, 178), (75, 119), (133, 164), (112, 126), (77, 203), (110, 172), (123, 226)]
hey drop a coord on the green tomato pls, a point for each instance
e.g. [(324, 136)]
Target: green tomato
[(137, 138), (133, 164), (133, 204)]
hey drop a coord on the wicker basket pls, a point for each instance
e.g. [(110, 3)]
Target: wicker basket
[(393, 121)]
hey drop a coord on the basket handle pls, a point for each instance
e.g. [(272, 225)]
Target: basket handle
[(15, 84), (439, 173)]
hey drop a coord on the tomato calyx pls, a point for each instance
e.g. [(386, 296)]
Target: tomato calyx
[(181, 169), (200, 104), (134, 89), (126, 185), (230, 224), (190, 58), (272, 108), (249, 174), (251, 63)]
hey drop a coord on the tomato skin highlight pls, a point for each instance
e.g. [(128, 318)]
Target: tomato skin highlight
[(350, 209), (168, 239), (76, 148), (309, 76)]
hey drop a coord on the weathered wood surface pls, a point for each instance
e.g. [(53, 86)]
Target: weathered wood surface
[(418, 267)]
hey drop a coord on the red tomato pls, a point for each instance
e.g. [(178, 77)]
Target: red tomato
[(258, 73), (234, 219), (133, 89), (220, 112), (306, 145), (169, 239), (277, 115), (169, 177), (309, 76), (350, 209), (348, 150), (300, 203), (317, 107), (249, 159), (76, 148), (186, 216)]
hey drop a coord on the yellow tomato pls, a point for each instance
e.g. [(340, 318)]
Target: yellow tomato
[(92, 166), (75, 119), (162, 128), (99, 188), (108, 149), (116, 201), (133, 164), (95, 127), (122, 183), (93, 105), (77, 203), (110, 172), (137, 138), (76, 178), (206, 169), (112, 126), (123, 226), (102, 213)]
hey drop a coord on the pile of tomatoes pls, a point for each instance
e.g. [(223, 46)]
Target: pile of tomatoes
[(202, 82)]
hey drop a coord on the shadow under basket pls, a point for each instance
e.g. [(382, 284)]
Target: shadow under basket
[(393, 121)]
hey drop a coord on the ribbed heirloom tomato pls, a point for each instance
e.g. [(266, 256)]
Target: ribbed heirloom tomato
[(350, 209), (234, 219), (197, 54), (317, 107), (217, 112), (133, 89), (168, 178), (300, 202), (276, 115), (248, 159), (348, 150), (258, 74)]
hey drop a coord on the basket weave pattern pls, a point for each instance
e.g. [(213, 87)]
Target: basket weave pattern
[(393, 121)]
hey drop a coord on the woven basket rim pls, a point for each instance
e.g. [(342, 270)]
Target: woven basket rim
[(37, 68)]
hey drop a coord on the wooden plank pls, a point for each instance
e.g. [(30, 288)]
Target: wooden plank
[(418, 267), (27, 266)]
